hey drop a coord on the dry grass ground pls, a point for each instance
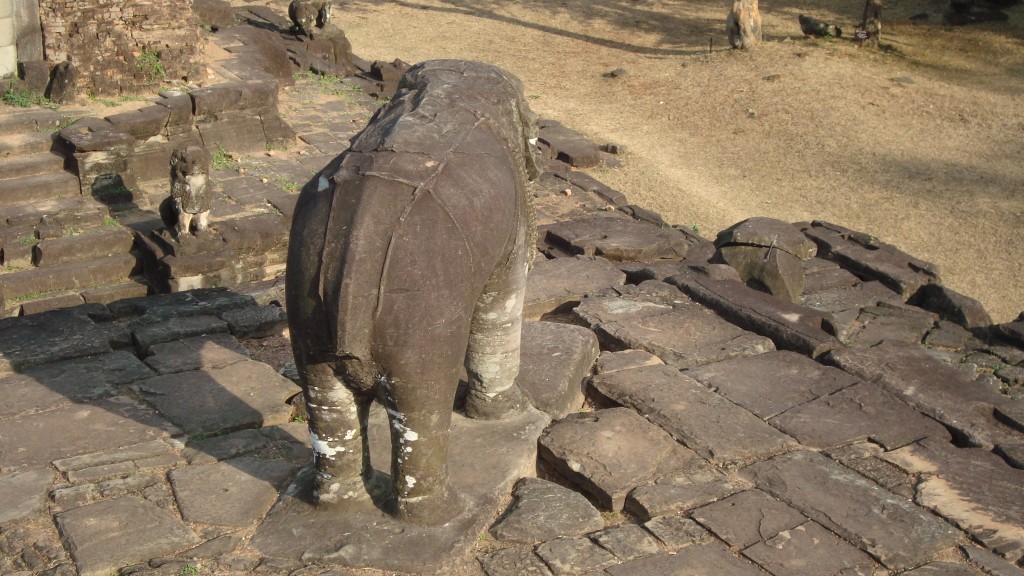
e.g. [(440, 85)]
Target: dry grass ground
[(920, 144)]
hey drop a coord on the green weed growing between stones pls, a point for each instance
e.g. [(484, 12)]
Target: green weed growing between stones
[(222, 160), (26, 99), (148, 62)]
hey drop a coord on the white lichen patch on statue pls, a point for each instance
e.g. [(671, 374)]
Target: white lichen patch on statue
[(323, 446), (410, 482), (350, 434)]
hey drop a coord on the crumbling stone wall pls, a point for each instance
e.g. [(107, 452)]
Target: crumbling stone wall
[(123, 46)]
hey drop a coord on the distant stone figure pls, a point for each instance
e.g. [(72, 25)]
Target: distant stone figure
[(744, 24), (309, 15), (814, 27), (407, 260), (190, 190)]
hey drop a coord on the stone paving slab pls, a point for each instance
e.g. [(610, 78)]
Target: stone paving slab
[(661, 320), (568, 556), (894, 531), (77, 380), (601, 453), (23, 493), (972, 488), (485, 459), (861, 412), (748, 517), (771, 383), (76, 429), (937, 389), (707, 423), (110, 534), (710, 559), (556, 284), (245, 394), (809, 550), (60, 335), (236, 492), (542, 510), (212, 351)]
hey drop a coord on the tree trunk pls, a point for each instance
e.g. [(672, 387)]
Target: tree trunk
[(871, 26), (744, 24)]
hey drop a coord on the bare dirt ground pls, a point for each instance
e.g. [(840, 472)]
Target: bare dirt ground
[(920, 144)]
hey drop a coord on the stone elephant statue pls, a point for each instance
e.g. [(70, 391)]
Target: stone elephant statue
[(407, 260)]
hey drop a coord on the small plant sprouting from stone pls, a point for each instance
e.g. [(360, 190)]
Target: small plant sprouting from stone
[(189, 570), (28, 240), (148, 62), (26, 99), (222, 160), (108, 221), (695, 228)]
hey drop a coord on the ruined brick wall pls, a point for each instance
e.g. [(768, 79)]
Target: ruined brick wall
[(113, 43)]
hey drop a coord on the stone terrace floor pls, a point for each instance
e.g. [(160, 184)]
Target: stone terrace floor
[(153, 435)]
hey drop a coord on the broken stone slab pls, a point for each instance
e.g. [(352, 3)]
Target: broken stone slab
[(485, 460), (256, 321), (213, 351), (555, 360), (771, 383), (768, 233), (542, 510), (871, 259), (77, 380), (748, 517), (105, 536), (809, 550), (861, 412), (590, 184), (236, 492), (894, 322), (616, 238), (567, 145), (176, 328), (681, 491), (560, 283), (610, 452), (931, 386), (23, 493), (227, 446), (66, 497), (708, 559), (57, 335), (567, 556), (895, 532), (989, 562), (627, 541), (143, 451), (1013, 332), (210, 401), (972, 488), (790, 326), (513, 562), (677, 531), (76, 429), (952, 305), (609, 362), (867, 459), (707, 423), (667, 324)]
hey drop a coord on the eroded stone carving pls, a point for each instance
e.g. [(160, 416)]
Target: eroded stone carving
[(407, 259), (308, 15), (190, 190)]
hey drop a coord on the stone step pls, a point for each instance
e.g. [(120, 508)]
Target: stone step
[(31, 284), (38, 187), (33, 164), (13, 144), (37, 120)]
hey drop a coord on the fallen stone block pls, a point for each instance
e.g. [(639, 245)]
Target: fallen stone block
[(871, 259), (616, 238), (568, 145), (768, 254), (790, 326), (256, 321), (951, 305), (556, 359)]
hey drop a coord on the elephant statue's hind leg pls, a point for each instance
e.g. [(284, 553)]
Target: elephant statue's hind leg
[(492, 357), (337, 422)]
